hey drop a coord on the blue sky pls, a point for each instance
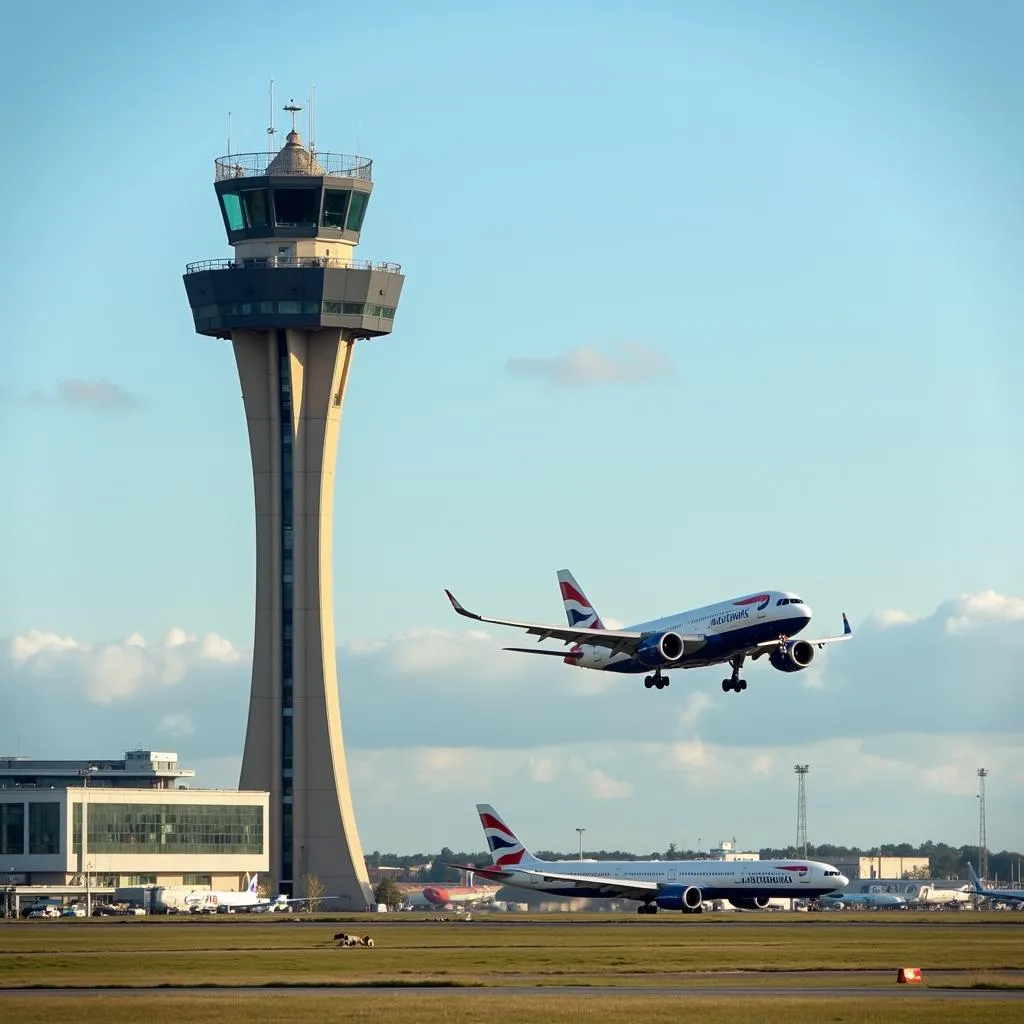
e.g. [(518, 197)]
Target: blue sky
[(793, 232)]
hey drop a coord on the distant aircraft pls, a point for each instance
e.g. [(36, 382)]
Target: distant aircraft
[(1012, 895), (729, 632), (838, 900), (212, 901), (440, 895), (658, 884)]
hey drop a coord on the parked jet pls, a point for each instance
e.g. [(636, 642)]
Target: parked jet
[(875, 900), (1012, 895), (726, 633), (440, 896), (225, 901), (658, 884)]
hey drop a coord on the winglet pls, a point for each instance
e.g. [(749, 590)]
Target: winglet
[(458, 607), (847, 630)]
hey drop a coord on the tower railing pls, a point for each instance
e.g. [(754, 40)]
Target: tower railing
[(255, 165), (260, 262)]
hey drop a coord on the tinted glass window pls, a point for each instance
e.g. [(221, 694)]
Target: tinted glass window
[(255, 203), (44, 828), (233, 211), (296, 207), (335, 204), (12, 828), (356, 210)]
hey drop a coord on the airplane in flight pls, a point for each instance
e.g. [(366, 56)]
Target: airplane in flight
[(658, 884), (752, 626), (1006, 895)]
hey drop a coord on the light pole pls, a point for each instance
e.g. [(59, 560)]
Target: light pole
[(581, 831), (86, 773)]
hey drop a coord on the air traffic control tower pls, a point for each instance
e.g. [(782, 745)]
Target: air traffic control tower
[(293, 302)]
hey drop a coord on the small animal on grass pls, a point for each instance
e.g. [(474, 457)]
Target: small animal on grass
[(344, 939)]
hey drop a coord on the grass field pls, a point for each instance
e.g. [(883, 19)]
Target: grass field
[(663, 951), (419, 1009)]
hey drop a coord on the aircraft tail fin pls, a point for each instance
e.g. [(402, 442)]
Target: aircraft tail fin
[(254, 884), (506, 849), (578, 610), (975, 881)]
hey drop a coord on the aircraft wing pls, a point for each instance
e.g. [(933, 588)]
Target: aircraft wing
[(617, 640), (608, 887), (767, 645)]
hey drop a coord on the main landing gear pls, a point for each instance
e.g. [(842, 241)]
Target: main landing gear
[(734, 682), (647, 908), (657, 680)]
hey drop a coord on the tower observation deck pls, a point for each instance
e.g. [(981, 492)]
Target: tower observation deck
[(293, 302)]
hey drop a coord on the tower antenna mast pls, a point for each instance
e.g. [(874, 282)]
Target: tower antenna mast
[(271, 130)]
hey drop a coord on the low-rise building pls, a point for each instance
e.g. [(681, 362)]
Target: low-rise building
[(139, 830)]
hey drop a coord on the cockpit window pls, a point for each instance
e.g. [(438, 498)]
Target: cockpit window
[(796, 600)]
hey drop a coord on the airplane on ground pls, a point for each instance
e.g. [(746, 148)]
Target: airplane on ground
[(839, 900), (440, 895), (658, 884), (1012, 895), (212, 901), (729, 632)]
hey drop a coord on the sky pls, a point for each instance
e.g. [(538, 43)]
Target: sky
[(701, 298)]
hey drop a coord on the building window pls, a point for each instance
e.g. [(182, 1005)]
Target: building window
[(335, 204), (44, 828), (138, 880), (356, 210), (296, 207), (174, 828), (12, 829), (232, 211), (197, 880)]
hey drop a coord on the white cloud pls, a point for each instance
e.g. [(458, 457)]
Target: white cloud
[(583, 366), (974, 610), (111, 672), (177, 725), (890, 617)]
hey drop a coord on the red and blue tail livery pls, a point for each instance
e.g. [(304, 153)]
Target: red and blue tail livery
[(765, 623)]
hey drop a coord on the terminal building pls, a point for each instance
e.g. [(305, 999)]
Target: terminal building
[(140, 828)]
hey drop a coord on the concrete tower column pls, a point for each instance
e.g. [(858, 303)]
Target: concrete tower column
[(294, 302)]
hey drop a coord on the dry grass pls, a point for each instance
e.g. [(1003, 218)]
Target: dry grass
[(468, 1009), (667, 951)]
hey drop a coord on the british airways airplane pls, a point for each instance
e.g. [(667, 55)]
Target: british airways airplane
[(727, 633), (684, 885)]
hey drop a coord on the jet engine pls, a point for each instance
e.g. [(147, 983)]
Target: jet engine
[(792, 656), (750, 902), (657, 648), (686, 898)]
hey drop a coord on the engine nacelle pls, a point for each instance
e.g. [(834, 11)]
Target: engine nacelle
[(686, 898), (657, 648), (792, 656), (750, 903)]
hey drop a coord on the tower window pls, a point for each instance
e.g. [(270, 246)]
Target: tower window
[(254, 202), (335, 204), (296, 207), (232, 211), (356, 210)]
